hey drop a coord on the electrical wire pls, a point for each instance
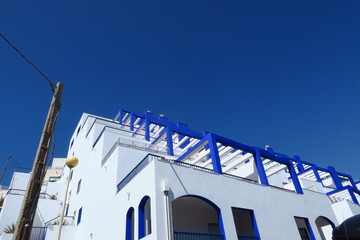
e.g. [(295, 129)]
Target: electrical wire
[(52, 85)]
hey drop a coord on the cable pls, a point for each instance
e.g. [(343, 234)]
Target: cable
[(52, 85)]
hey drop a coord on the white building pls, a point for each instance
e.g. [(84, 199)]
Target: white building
[(144, 177)]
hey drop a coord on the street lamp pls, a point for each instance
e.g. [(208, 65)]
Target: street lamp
[(71, 162)]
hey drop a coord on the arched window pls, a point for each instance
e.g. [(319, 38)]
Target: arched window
[(325, 227), (195, 217), (144, 217), (130, 224)]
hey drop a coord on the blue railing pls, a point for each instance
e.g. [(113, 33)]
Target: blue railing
[(243, 237), (197, 236), (38, 233)]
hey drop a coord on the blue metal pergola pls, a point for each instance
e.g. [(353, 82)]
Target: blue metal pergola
[(182, 143)]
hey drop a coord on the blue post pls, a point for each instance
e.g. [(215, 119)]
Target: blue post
[(295, 179), (147, 129), (317, 175), (353, 184), (335, 177), (147, 125), (170, 147), (214, 153), (132, 120), (122, 115), (353, 197), (260, 168), (299, 164)]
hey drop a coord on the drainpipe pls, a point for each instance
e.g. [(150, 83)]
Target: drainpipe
[(166, 191)]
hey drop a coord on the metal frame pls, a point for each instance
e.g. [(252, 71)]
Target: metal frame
[(178, 136)]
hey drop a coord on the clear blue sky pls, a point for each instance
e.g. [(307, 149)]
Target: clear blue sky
[(283, 73)]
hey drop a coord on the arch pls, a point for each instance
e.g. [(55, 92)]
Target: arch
[(325, 227), (195, 215), (129, 232), (144, 217)]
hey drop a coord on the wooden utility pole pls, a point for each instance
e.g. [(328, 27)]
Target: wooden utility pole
[(28, 208)]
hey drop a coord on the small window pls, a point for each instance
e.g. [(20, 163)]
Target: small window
[(304, 228), (79, 216), (79, 186), (72, 143), (245, 224)]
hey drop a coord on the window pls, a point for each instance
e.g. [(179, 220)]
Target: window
[(304, 228), (79, 216), (144, 217), (245, 224), (79, 185), (130, 224)]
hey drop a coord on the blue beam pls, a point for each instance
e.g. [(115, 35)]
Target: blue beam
[(194, 148), (184, 130), (295, 179), (353, 197), (349, 189), (269, 149), (353, 183), (170, 147), (272, 157), (214, 154), (160, 135), (335, 177), (314, 170), (234, 144), (321, 168), (307, 163), (299, 163), (181, 129), (138, 129), (147, 125), (132, 120), (122, 115), (260, 168), (317, 175), (147, 129), (182, 146)]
